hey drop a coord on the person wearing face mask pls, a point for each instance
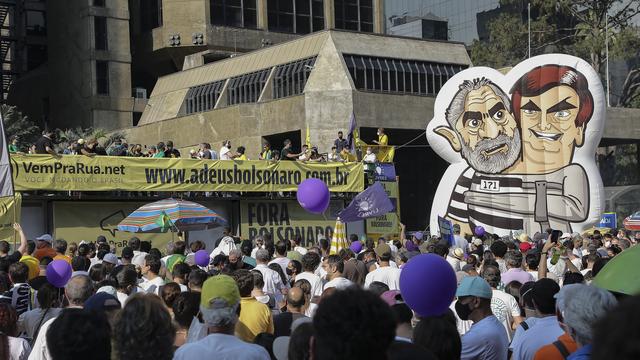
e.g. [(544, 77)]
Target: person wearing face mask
[(487, 338), (370, 157)]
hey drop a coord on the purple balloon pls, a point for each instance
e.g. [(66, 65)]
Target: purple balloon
[(356, 247), (313, 195), (428, 285), (479, 231), (58, 273), (202, 258)]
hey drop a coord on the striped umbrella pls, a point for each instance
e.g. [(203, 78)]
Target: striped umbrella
[(177, 215), (339, 239)]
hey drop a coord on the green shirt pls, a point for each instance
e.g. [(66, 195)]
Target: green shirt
[(13, 148)]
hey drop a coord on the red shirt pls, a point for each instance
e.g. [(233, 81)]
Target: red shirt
[(43, 252)]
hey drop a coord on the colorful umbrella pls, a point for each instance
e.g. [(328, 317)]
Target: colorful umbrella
[(339, 238), (178, 215)]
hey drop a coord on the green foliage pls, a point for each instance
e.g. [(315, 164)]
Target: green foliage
[(27, 130), (69, 136)]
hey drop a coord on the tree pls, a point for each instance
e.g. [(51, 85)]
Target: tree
[(577, 27), (27, 130)]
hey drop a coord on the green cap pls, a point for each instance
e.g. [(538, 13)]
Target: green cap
[(220, 287)]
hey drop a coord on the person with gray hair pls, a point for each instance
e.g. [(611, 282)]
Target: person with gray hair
[(579, 308), (220, 306), (77, 290), (236, 260), (515, 272), (273, 284)]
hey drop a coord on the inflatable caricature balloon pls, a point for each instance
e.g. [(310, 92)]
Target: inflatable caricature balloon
[(521, 147)]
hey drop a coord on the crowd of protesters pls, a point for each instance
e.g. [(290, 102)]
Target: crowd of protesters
[(342, 150), (517, 297)]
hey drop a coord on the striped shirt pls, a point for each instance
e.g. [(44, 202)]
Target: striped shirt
[(506, 203)]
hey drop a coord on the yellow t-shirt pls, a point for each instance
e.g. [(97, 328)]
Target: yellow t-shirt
[(255, 318), (33, 264), (383, 140), (242, 157), (63, 257)]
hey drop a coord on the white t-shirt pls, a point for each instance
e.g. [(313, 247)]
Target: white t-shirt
[(314, 280), (454, 262), (272, 282), (152, 285), (282, 261), (339, 283), (18, 348), (387, 275), (224, 153), (534, 273), (40, 350), (505, 308), (222, 347), (300, 249), (370, 158)]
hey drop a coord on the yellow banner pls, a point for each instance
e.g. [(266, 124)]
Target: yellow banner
[(386, 224), (104, 173), (286, 219), (9, 214)]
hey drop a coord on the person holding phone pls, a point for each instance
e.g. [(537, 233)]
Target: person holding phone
[(554, 268)]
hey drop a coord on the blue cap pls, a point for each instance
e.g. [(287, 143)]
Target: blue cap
[(474, 286), (102, 301)]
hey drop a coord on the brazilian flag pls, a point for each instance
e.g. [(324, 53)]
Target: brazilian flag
[(164, 221)]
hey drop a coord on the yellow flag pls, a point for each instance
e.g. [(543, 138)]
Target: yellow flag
[(307, 139)]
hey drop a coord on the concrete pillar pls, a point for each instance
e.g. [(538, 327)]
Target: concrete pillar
[(263, 18), (329, 14), (378, 16)]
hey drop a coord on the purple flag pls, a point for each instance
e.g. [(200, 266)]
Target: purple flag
[(372, 202), (352, 136)]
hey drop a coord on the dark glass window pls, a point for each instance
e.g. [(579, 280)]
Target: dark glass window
[(237, 13), (203, 97), (100, 32), (99, 3), (151, 12), (398, 75), (36, 22), (102, 77), (291, 78), (36, 56), (295, 16), (356, 15), (246, 88)]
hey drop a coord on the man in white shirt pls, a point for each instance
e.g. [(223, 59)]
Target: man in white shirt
[(219, 304), (504, 306), (138, 256), (310, 262), (546, 329), (297, 240), (334, 266), (384, 273), (281, 256), (77, 291), (225, 151), (272, 281), (150, 271)]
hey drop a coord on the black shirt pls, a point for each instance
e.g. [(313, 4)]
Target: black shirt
[(340, 144), (37, 282), (284, 153), (282, 323), (42, 144), (6, 261), (173, 153), (206, 154)]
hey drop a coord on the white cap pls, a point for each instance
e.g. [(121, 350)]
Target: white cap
[(110, 258), (45, 237), (565, 236)]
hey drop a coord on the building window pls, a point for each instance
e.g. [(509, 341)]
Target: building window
[(237, 13), (100, 29), (290, 79), (246, 88), (36, 55), (203, 97), (356, 15), (99, 3), (297, 16), (399, 76), (102, 77), (36, 22), (151, 11)]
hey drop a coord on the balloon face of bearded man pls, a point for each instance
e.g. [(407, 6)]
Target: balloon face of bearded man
[(481, 127)]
